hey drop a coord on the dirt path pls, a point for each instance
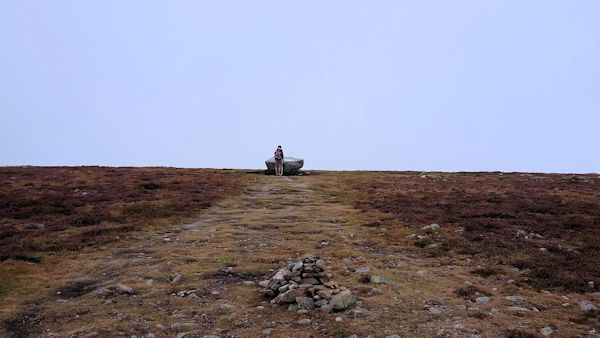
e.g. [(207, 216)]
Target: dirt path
[(235, 244)]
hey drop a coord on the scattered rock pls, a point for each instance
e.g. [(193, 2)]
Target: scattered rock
[(547, 331), (338, 319), (459, 326), (102, 293), (267, 331), (518, 309), (304, 321), (227, 307), (587, 306), (430, 228), (183, 326), (380, 280), (124, 289), (341, 301), (175, 278), (515, 299), (483, 300), (362, 269)]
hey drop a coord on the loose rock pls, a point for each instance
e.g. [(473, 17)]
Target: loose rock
[(546, 331), (124, 289), (587, 306)]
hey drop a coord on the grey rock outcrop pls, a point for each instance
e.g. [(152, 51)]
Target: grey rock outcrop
[(291, 165)]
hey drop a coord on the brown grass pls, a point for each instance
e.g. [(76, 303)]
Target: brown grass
[(350, 220), (68, 208), (492, 208)]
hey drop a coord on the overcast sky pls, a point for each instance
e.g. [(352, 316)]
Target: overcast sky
[(395, 85)]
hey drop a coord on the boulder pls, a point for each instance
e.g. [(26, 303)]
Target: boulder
[(291, 165)]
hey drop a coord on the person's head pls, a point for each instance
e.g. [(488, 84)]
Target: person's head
[(278, 147)]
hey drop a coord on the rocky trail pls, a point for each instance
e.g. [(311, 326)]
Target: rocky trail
[(201, 279)]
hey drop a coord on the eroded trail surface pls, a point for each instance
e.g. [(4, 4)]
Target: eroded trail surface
[(197, 279)]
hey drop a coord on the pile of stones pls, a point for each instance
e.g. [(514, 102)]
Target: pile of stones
[(306, 285)]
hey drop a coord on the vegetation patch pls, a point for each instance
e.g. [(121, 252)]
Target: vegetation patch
[(542, 222)]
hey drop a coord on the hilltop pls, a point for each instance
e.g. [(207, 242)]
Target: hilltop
[(164, 252)]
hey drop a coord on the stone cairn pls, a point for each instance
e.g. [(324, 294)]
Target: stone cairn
[(306, 284)]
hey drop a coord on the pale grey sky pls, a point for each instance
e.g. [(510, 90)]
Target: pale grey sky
[(395, 85)]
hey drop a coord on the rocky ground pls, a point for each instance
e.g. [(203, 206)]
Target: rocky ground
[(421, 274)]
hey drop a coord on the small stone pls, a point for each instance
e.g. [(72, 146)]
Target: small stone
[(182, 326), (518, 309), (124, 289), (175, 278), (267, 331), (305, 303), (338, 319), (422, 273), (321, 264), (587, 306), (380, 280), (459, 326), (394, 336), (546, 331), (302, 312), (321, 302), (360, 312), (340, 301), (304, 321), (288, 296), (483, 300), (297, 266), (515, 298), (430, 228), (362, 269), (227, 307), (279, 275), (283, 288), (263, 283), (102, 292), (434, 310)]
